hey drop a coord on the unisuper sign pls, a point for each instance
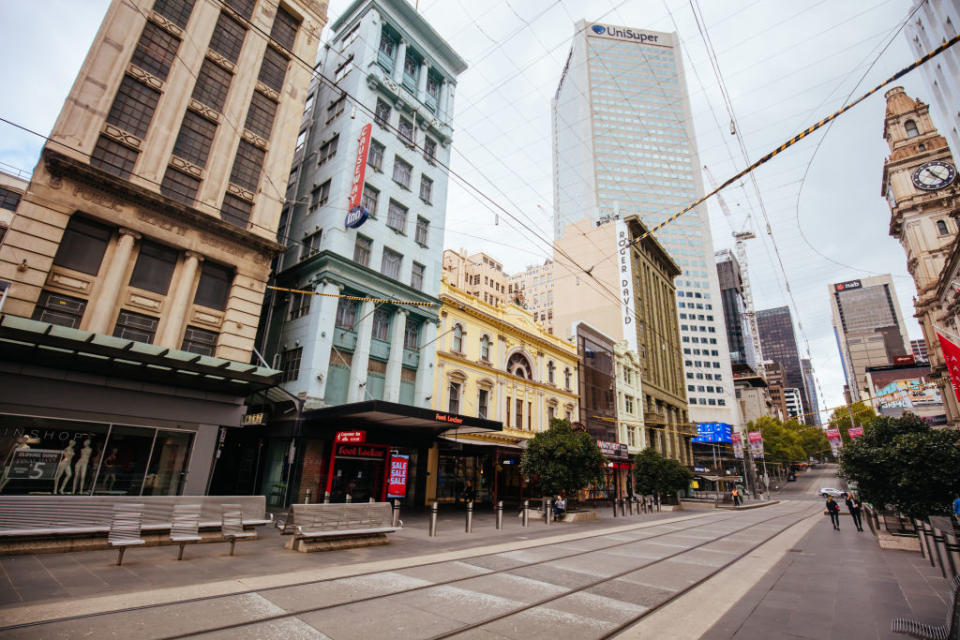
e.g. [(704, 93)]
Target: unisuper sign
[(627, 34)]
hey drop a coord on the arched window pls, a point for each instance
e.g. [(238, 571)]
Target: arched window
[(519, 366), (458, 338), (485, 348), (942, 227), (566, 378), (550, 369), (911, 128)]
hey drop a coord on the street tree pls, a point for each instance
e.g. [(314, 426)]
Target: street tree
[(903, 463), (564, 460), (655, 474), (781, 442), (863, 415)]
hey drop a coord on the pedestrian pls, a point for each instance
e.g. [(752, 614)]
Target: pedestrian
[(736, 497), (469, 494), (834, 510), (559, 507), (853, 505)]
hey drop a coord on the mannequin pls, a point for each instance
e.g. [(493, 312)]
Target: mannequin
[(63, 469), (110, 466), (80, 468), (21, 443)]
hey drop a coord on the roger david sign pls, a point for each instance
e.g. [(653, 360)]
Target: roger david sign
[(356, 214), (628, 310), (397, 480)]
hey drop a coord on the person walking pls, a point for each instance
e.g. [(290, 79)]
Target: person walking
[(736, 497), (854, 506), (834, 510)]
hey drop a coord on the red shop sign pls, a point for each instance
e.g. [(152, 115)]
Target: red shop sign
[(397, 479), (353, 437), (358, 451)]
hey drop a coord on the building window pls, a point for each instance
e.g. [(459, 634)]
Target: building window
[(375, 155), (212, 85), (402, 172), (362, 250), (457, 345), (551, 413), (196, 340), (195, 137), (426, 189), (59, 310), (382, 113), (260, 115), (236, 211), (628, 403), (83, 245), (155, 51), (453, 406), (247, 166), (485, 348), (391, 264), (154, 268), (550, 372), (507, 417), (429, 149), (405, 128), (113, 157), (381, 325), (396, 216), (411, 71), (411, 334), (942, 228), (242, 7), (336, 107), (328, 149), (9, 199), (388, 48), (311, 244), (433, 90), (135, 326), (519, 366), (284, 30), (176, 11), (416, 276), (133, 106), (299, 305), (519, 414), (290, 364), (566, 378), (320, 195), (214, 286), (179, 186), (346, 314), (423, 229), (483, 396), (370, 199), (273, 69), (911, 128)]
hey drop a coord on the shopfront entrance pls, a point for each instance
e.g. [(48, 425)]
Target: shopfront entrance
[(358, 473)]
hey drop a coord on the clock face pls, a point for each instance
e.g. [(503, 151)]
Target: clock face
[(934, 175)]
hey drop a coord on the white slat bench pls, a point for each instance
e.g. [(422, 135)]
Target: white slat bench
[(324, 527), (185, 526), (125, 528), (232, 527)]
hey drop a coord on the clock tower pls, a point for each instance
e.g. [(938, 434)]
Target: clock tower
[(922, 189)]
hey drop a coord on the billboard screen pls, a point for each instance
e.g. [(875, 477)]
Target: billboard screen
[(714, 432)]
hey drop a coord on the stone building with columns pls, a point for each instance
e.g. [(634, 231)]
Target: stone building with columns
[(140, 250)]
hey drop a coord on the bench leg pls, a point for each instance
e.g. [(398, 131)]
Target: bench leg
[(120, 556), (180, 555), (233, 543)]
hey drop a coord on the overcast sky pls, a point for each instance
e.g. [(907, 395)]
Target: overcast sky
[(785, 65)]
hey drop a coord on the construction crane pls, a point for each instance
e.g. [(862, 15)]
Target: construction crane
[(739, 238)]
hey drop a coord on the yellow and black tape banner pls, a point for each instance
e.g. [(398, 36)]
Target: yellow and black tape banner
[(803, 134), (356, 298)]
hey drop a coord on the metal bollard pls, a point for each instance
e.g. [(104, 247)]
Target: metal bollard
[(433, 519), (547, 509), (622, 508), (630, 505), (614, 503), (349, 498), (396, 514), (326, 497), (526, 513), (308, 497), (469, 527), (500, 514)]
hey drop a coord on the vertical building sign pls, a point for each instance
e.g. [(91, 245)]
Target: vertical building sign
[(627, 300), (397, 479), (951, 356), (356, 214)]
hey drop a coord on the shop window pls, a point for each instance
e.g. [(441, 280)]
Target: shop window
[(381, 325), (61, 310), (168, 464), (454, 402), (483, 396), (290, 364), (154, 267), (214, 286), (83, 245), (202, 341), (135, 326)]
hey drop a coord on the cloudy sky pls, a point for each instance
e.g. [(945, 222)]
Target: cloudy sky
[(785, 65)]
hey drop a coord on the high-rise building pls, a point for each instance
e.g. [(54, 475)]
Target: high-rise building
[(742, 349), (139, 260), (775, 386), (387, 155), (935, 22), (868, 326), (779, 344), (624, 144), (533, 287), (791, 398), (477, 274), (810, 384), (919, 350)]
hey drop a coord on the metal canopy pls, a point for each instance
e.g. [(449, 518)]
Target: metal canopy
[(43, 344), (392, 415)]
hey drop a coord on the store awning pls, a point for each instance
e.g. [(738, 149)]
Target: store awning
[(720, 478), (492, 440), (397, 417)]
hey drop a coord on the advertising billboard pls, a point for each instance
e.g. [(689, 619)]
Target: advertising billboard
[(397, 480), (719, 432)]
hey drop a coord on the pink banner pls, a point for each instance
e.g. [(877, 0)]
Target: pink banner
[(951, 356), (833, 434), (855, 432)]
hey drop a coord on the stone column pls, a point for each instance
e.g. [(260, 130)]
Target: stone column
[(112, 283), (178, 302), (401, 57), (361, 354), (442, 102), (422, 83), (318, 340), (428, 356), (391, 392)]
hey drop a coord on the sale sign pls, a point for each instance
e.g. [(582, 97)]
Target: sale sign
[(397, 480)]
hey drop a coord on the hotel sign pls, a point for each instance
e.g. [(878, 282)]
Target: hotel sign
[(628, 311), (357, 215)]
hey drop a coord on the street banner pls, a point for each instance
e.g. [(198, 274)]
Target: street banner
[(737, 446), (833, 434), (835, 446), (756, 444), (855, 432), (356, 213), (951, 356), (397, 480)]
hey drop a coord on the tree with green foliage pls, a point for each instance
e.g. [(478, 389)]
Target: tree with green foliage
[(863, 416), (655, 474), (564, 460), (780, 442), (903, 463), (813, 441)]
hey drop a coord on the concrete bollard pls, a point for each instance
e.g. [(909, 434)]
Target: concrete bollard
[(308, 498), (623, 512), (469, 525), (547, 509), (630, 505), (434, 510), (326, 497), (500, 514), (349, 498), (395, 521), (525, 518)]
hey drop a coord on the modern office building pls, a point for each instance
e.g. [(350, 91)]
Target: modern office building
[(791, 398), (868, 326), (935, 22), (138, 260), (739, 338), (478, 274), (919, 350), (810, 383), (775, 376), (533, 288), (779, 344), (623, 145)]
